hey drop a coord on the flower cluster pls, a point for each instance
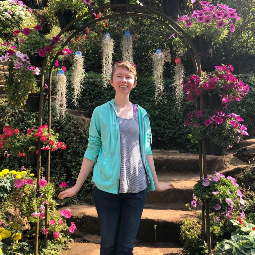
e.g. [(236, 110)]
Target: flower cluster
[(19, 144), (220, 82), (223, 195), (211, 20), (221, 128), (27, 198)]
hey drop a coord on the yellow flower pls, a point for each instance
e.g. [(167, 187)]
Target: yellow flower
[(17, 226), (13, 172), (32, 175), (1, 229), (16, 236), (24, 173), (1, 174), (5, 171), (1, 251), (6, 233), (1, 239), (18, 176)]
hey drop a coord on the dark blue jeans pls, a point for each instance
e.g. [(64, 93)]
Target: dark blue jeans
[(119, 218)]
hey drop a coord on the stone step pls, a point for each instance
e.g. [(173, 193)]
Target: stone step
[(167, 222), (91, 246), (175, 162)]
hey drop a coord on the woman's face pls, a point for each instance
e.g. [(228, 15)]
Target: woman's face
[(123, 81)]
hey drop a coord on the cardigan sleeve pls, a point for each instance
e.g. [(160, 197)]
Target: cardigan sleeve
[(94, 140)]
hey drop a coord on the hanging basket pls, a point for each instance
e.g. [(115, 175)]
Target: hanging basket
[(203, 45), (36, 60), (171, 8), (65, 17), (213, 149), (211, 100), (33, 102)]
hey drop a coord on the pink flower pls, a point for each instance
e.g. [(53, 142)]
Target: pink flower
[(16, 32), (199, 113), (56, 63), (63, 185), (66, 213), (87, 2), (42, 183), (61, 222), (41, 53), (56, 234), (220, 24), (26, 31), (52, 222), (208, 122), (38, 27), (206, 182), (29, 181), (42, 216), (45, 231), (218, 120), (193, 203), (35, 214), (48, 49), (72, 228), (63, 68), (19, 183), (56, 39)]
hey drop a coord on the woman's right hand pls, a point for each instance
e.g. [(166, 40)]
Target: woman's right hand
[(68, 193)]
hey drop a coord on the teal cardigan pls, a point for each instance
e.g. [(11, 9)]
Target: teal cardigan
[(104, 146)]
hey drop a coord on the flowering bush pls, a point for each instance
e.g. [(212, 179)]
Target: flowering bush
[(220, 82), (241, 241), (25, 205), (211, 20), (223, 195), (19, 144)]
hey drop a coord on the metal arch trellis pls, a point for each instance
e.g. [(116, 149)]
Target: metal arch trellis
[(123, 10)]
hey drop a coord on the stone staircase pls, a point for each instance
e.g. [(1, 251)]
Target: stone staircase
[(164, 211)]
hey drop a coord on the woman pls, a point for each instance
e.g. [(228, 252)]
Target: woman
[(120, 154)]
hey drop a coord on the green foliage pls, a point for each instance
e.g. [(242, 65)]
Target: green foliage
[(241, 242), (6, 184), (191, 236)]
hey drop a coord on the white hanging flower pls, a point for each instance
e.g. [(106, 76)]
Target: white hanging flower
[(158, 68), (107, 48), (77, 75), (178, 78), (127, 47), (61, 93)]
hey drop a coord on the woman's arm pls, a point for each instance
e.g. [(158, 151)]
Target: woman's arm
[(160, 186), (86, 168)]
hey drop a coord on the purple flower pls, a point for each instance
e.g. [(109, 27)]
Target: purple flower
[(206, 182), (26, 31), (228, 200), (218, 120), (220, 24), (216, 178), (193, 203), (87, 2), (189, 24), (215, 192), (217, 207), (216, 219), (41, 53)]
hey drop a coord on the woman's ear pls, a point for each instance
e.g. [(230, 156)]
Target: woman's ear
[(111, 82), (135, 83)]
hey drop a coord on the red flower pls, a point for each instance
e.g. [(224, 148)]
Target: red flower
[(48, 49), (10, 52), (56, 39), (43, 138), (240, 221)]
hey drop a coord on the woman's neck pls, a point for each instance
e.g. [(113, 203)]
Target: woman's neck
[(124, 108)]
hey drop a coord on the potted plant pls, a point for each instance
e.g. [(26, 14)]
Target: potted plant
[(13, 16), (67, 10), (214, 122), (209, 24), (171, 8)]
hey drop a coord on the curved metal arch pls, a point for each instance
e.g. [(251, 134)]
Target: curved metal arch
[(128, 11)]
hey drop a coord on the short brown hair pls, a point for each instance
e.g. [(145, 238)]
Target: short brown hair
[(125, 64)]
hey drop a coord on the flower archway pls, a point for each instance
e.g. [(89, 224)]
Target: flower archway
[(126, 11)]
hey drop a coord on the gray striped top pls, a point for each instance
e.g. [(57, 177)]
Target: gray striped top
[(132, 173)]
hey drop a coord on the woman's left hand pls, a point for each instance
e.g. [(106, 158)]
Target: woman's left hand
[(162, 186)]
